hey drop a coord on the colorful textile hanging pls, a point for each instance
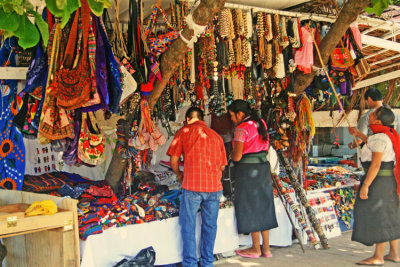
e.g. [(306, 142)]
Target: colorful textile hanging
[(12, 149)]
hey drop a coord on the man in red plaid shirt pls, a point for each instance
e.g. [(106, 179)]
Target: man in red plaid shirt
[(204, 160)]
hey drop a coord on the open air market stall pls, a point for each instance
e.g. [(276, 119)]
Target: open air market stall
[(105, 89)]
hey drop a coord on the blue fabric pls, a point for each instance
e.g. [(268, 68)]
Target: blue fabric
[(12, 149), (113, 75), (191, 201), (37, 71)]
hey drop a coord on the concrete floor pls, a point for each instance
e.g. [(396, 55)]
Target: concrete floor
[(342, 253)]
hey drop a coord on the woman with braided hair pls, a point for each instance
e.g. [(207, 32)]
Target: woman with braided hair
[(376, 210), (253, 196)]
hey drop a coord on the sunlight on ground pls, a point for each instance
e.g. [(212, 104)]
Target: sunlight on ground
[(289, 255), (368, 251), (237, 261), (342, 249), (357, 252)]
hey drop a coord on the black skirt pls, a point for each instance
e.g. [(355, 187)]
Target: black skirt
[(377, 219), (253, 197)]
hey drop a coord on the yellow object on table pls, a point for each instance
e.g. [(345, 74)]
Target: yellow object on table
[(44, 207)]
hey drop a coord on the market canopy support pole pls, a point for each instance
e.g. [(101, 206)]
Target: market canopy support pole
[(303, 199), (347, 15), (170, 61)]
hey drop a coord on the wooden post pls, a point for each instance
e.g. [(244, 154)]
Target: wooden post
[(303, 199)]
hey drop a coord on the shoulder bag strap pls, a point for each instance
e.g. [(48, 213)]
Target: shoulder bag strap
[(131, 30), (85, 10), (72, 40)]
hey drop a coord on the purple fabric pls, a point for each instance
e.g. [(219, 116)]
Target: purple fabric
[(70, 155), (343, 88)]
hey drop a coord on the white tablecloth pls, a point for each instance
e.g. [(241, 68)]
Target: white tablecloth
[(114, 244)]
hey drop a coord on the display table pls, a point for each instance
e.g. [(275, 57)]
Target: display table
[(164, 236)]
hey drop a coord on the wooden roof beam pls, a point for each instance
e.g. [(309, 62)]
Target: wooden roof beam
[(377, 53), (376, 27), (385, 67), (378, 42), (384, 60), (377, 79), (387, 36)]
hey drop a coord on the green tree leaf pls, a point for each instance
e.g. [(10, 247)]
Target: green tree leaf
[(43, 27), (9, 21), (27, 33), (53, 8), (378, 6), (71, 7), (8, 34), (96, 7)]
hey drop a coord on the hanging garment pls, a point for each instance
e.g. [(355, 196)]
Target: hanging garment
[(12, 149), (304, 56)]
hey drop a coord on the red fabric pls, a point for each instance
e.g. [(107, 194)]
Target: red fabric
[(203, 153), (377, 128)]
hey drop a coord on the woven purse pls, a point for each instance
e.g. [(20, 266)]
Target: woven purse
[(341, 58), (158, 44), (91, 144)]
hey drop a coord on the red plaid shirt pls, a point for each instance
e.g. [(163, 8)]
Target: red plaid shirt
[(203, 154)]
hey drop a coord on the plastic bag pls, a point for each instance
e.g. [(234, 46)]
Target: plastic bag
[(145, 258)]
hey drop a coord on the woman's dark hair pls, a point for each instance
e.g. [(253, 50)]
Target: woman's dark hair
[(373, 93), (385, 115), (244, 106), (194, 112)]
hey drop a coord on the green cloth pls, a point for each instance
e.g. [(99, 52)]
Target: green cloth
[(386, 172), (259, 157)]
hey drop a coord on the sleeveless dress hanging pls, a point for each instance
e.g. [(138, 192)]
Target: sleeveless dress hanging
[(12, 149)]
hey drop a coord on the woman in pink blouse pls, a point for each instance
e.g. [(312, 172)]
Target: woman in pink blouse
[(253, 196)]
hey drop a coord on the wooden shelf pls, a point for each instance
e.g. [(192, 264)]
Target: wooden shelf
[(13, 73), (42, 240)]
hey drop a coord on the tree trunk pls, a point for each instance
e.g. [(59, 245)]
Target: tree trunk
[(303, 199), (170, 61), (347, 15)]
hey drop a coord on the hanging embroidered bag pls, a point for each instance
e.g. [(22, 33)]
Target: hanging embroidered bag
[(159, 44), (148, 135), (361, 65), (341, 58), (72, 85), (91, 144), (55, 122)]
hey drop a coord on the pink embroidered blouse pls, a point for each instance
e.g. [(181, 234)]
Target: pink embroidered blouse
[(247, 133)]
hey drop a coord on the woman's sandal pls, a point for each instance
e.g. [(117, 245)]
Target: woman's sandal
[(252, 256), (267, 255)]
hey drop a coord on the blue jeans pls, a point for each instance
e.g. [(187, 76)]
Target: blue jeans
[(191, 201)]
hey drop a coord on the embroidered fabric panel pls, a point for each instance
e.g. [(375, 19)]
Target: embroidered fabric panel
[(12, 149)]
